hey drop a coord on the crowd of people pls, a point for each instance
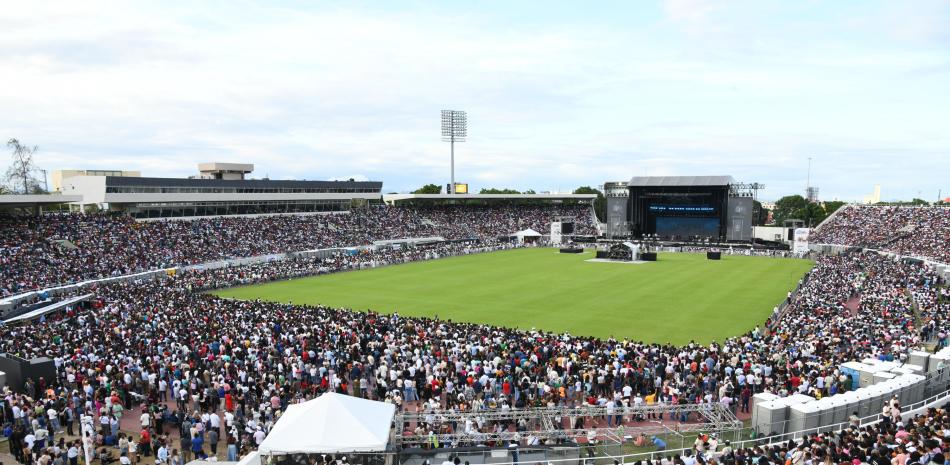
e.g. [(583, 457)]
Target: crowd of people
[(211, 372), (48, 250), (187, 355), (913, 231)]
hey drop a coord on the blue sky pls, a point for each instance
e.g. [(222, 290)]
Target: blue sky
[(559, 94)]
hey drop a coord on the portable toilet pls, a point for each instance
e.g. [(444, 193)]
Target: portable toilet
[(918, 358), (826, 409), (862, 403), (888, 390), (906, 369), (915, 388), (838, 408), (939, 360), (853, 369), (882, 376), (799, 399), (907, 390), (866, 374), (803, 419), (762, 397), (876, 401), (769, 417), (888, 365)]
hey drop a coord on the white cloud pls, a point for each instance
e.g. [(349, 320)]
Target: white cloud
[(712, 87)]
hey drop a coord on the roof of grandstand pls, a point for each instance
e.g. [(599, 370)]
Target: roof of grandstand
[(271, 183), (665, 181), (34, 200), (400, 197)]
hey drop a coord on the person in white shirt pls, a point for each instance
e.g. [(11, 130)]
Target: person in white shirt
[(162, 455)]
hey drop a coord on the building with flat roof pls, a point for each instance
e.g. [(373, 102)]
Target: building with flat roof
[(394, 199), (58, 176), (219, 189)]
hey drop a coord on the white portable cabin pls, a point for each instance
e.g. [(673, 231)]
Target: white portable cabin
[(826, 410), (762, 397), (854, 369), (904, 386), (918, 358), (881, 364), (769, 417), (843, 405), (876, 402), (938, 360), (804, 418), (773, 415), (883, 376), (908, 368), (915, 388), (867, 373), (862, 403), (888, 391)]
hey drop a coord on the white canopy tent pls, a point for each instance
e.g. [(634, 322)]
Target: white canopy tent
[(527, 233), (331, 423), (254, 458)]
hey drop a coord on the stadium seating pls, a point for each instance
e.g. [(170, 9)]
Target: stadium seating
[(191, 356), (914, 231)]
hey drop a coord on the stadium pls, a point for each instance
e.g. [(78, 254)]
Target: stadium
[(412, 328), (257, 233)]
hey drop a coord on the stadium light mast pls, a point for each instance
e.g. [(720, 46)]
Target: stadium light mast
[(454, 129)]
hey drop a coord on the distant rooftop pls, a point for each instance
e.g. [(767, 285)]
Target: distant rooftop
[(678, 181), (236, 183), (401, 197)]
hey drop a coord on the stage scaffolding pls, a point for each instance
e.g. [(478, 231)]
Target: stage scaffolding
[(561, 424)]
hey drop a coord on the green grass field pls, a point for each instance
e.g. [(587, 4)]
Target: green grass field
[(678, 298)]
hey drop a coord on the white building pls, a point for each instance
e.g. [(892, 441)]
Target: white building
[(219, 189)]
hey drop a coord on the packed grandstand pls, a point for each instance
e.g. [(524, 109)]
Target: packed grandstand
[(203, 370), (911, 231)]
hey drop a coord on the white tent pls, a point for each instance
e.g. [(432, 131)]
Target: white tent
[(254, 458), (331, 423), (521, 235)]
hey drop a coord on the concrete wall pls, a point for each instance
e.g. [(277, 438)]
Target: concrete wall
[(768, 233), (91, 188)]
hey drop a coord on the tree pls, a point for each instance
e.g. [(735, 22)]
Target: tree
[(789, 207), (797, 208), (498, 191), (812, 214), (429, 189), (600, 203), (21, 176), (832, 206), (760, 215), (913, 203)]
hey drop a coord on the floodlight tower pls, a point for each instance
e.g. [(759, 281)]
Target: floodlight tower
[(454, 129)]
